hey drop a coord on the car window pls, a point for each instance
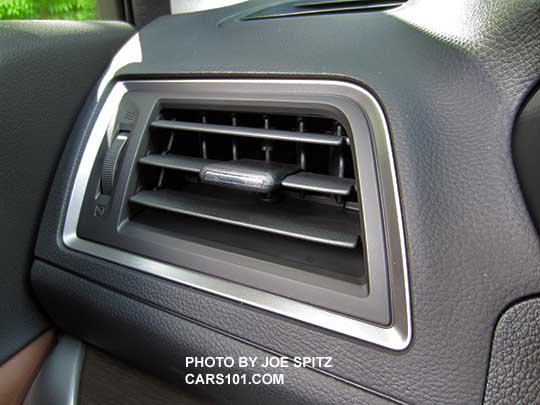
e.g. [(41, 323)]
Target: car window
[(49, 10)]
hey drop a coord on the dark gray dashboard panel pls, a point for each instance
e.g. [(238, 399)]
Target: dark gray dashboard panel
[(514, 370), (163, 339), (451, 76), (40, 63)]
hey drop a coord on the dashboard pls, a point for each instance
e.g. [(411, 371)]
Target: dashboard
[(302, 182)]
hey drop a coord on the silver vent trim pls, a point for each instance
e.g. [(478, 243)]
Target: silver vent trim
[(396, 336)]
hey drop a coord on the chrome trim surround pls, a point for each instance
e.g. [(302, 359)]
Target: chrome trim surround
[(58, 380), (396, 336)]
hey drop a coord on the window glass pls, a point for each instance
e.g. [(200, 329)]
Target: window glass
[(48, 10)]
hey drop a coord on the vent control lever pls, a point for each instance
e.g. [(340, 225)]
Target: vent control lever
[(247, 174)]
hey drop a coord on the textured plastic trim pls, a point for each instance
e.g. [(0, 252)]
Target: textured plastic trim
[(397, 336)]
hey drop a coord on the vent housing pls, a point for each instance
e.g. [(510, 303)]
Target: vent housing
[(262, 191), (307, 219)]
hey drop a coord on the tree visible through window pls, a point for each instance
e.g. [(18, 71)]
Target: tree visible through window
[(48, 9)]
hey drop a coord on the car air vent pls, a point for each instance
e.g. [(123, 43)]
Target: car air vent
[(281, 173), (314, 7), (279, 194)]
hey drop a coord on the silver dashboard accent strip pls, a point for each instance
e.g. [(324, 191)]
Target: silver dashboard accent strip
[(58, 380), (397, 336)]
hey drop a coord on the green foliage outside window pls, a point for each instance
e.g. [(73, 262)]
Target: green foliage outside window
[(48, 9)]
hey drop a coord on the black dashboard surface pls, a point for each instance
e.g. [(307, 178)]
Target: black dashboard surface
[(451, 77)]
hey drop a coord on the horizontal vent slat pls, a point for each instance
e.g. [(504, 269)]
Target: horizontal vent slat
[(260, 133), (319, 183), (299, 219), (176, 162)]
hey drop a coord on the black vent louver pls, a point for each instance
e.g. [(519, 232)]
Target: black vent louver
[(287, 174), (315, 7)]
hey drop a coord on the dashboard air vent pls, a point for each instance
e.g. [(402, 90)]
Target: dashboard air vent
[(288, 174), (314, 7), (278, 194)]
